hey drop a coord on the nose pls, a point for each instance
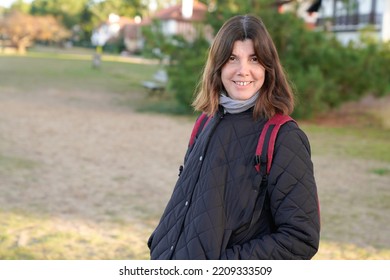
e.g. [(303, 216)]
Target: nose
[(243, 69)]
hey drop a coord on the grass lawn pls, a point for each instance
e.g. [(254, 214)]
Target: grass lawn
[(367, 143), (352, 218), (69, 72)]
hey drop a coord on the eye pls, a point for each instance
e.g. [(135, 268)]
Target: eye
[(254, 59), (232, 58)]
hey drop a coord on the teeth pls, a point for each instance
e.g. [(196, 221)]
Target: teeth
[(243, 83)]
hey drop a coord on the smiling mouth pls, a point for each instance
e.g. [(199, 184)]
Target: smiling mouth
[(242, 83)]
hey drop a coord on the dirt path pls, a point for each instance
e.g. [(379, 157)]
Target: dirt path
[(80, 156), (91, 156)]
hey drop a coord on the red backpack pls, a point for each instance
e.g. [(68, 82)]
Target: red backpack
[(266, 143)]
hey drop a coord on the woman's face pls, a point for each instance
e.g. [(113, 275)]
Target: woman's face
[(242, 75)]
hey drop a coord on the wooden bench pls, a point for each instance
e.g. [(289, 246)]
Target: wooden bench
[(158, 84)]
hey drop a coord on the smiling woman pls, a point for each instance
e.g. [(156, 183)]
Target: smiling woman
[(223, 206)]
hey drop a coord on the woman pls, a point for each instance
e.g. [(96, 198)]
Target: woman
[(211, 212)]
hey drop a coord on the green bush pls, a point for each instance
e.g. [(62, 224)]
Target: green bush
[(313, 92), (326, 73), (185, 70)]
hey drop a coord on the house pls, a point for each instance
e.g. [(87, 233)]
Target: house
[(132, 34), (185, 19), (109, 30), (346, 18)]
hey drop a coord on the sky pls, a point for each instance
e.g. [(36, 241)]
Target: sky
[(7, 3)]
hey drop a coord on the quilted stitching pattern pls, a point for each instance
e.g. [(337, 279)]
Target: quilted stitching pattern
[(215, 195)]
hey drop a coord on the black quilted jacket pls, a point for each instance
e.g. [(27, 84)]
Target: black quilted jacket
[(209, 215)]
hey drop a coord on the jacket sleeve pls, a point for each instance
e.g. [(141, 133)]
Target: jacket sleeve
[(293, 203)]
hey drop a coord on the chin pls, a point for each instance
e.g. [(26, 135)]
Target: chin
[(243, 97)]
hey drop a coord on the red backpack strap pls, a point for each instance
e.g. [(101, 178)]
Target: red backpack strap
[(267, 139), (200, 123)]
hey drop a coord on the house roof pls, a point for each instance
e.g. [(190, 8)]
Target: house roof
[(174, 12)]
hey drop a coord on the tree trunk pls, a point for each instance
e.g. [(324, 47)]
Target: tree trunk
[(21, 48)]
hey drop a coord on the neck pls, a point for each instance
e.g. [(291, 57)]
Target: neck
[(234, 106)]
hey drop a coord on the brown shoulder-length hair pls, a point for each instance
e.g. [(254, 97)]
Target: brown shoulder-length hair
[(275, 96)]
